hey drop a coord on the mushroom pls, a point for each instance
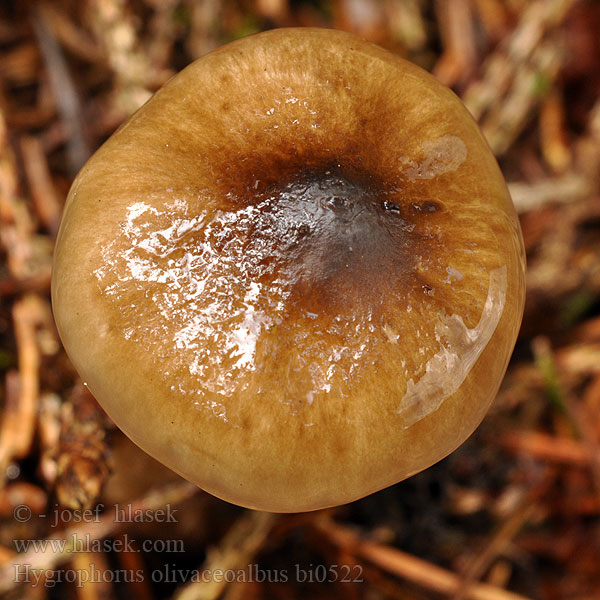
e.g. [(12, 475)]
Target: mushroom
[(295, 276)]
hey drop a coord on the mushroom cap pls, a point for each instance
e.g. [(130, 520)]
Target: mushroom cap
[(295, 276)]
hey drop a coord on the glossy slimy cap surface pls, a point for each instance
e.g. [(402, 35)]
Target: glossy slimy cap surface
[(295, 276)]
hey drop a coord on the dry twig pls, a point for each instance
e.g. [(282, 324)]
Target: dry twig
[(242, 542), (409, 567)]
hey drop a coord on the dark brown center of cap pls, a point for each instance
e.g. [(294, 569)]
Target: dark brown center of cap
[(333, 237)]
